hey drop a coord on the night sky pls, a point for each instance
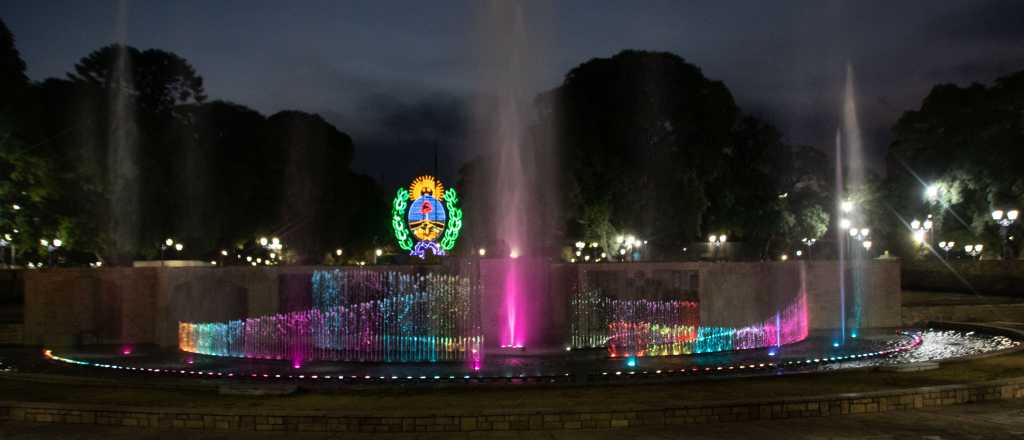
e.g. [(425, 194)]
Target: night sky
[(399, 75)]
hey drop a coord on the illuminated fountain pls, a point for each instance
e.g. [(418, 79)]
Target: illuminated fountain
[(649, 321), (358, 316)]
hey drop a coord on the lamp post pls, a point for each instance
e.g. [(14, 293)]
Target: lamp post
[(931, 193), (168, 243), (920, 231), (947, 246), (867, 248), (1005, 220), (859, 234), (5, 241), (808, 242), (974, 250), (716, 241), (51, 246)]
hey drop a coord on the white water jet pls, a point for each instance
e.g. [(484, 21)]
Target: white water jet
[(850, 178), (122, 149)]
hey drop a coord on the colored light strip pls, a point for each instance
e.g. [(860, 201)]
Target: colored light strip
[(398, 207), (914, 342)]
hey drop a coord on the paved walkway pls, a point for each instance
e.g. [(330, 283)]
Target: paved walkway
[(996, 420)]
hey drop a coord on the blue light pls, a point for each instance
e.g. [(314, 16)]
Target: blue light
[(771, 353), (835, 344), (631, 362), (853, 335)]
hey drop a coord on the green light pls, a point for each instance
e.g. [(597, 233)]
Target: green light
[(398, 220), (451, 233)]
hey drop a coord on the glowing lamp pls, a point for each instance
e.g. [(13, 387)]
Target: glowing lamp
[(482, 252), (169, 242), (918, 236), (846, 206), (337, 252), (224, 252), (378, 252), (931, 192), (722, 238), (264, 241), (1012, 214), (580, 245), (179, 247), (997, 214), (915, 224), (844, 223)]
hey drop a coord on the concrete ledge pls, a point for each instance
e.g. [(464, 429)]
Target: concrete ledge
[(701, 412), (531, 419)]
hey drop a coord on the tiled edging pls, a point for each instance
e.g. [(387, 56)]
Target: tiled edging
[(700, 412)]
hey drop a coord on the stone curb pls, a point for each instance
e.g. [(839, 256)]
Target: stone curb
[(516, 419), (536, 419)]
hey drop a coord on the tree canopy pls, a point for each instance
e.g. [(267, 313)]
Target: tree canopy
[(653, 144), (967, 141)]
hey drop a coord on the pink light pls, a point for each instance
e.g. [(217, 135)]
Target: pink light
[(126, 350), (514, 337)]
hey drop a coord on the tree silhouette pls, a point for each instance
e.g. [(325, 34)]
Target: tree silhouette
[(159, 79)]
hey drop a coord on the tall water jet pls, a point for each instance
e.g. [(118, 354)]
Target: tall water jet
[(510, 66), (122, 148), (855, 180), (843, 224)]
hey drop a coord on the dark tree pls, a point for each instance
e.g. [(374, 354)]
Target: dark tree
[(655, 148), (315, 161), (13, 81), (967, 141), (159, 79)]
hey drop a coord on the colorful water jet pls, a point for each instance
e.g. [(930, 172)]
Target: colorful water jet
[(659, 326), (359, 316)]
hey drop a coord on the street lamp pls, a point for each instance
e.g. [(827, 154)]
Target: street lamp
[(1005, 220), (846, 206), (716, 241), (168, 243), (974, 250), (51, 246), (859, 233), (808, 242), (947, 246), (921, 230), (931, 193)]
